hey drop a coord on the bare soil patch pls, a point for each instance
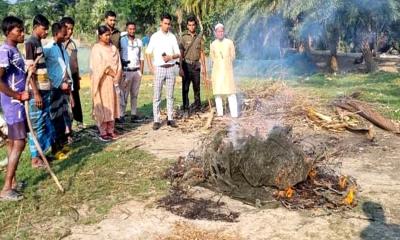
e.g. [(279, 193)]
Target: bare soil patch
[(213, 215)]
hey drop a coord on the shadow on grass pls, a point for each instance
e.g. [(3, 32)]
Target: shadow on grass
[(88, 145)]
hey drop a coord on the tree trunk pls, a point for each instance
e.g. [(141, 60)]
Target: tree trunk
[(368, 57), (179, 16), (304, 48), (333, 44), (310, 42), (200, 23)]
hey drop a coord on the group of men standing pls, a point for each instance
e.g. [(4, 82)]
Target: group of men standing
[(52, 92), (54, 87), (165, 50), (163, 53)]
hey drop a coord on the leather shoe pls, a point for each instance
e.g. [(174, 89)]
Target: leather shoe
[(156, 125), (172, 123), (120, 120)]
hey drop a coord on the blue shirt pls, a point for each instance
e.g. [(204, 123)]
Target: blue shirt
[(57, 62), (15, 77), (145, 41)]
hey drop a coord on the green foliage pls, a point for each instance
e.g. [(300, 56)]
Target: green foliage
[(3, 8), (257, 23), (145, 13)]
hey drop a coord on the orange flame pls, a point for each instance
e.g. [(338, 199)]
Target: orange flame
[(350, 197), (288, 193)]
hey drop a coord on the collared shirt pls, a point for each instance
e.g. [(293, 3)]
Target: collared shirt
[(33, 48), (160, 43), (72, 50), (15, 77), (115, 38), (132, 51), (145, 40), (57, 62), (191, 50)]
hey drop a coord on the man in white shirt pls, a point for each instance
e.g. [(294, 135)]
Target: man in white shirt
[(132, 57), (164, 47)]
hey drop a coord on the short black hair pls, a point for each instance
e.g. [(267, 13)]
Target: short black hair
[(110, 14), (166, 16), (130, 23), (102, 29), (40, 20), (11, 22), (56, 28), (67, 20), (191, 18)]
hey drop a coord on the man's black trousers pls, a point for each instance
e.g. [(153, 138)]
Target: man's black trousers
[(77, 109), (192, 75)]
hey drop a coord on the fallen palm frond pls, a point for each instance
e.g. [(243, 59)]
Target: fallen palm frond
[(366, 111), (338, 123)]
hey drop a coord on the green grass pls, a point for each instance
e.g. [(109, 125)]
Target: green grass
[(94, 176), (382, 89)]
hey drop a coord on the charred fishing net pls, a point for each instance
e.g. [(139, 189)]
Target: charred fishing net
[(261, 162), (260, 171)]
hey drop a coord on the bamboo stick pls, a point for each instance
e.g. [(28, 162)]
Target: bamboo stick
[(34, 138)]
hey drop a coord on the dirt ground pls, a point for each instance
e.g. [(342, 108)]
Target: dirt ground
[(375, 165)]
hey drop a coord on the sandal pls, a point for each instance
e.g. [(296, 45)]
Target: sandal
[(60, 156), (66, 149), (104, 138), (11, 195), (113, 136), (20, 186)]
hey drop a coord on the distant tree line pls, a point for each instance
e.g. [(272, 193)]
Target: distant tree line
[(270, 25)]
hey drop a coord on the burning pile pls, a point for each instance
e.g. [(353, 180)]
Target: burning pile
[(259, 160), (323, 187), (259, 171)]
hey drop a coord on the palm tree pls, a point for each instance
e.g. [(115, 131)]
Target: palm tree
[(338, 17)]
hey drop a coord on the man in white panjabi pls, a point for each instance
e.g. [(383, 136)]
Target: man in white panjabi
[(222, 54)]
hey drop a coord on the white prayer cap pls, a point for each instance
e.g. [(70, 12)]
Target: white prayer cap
[(219, 25)]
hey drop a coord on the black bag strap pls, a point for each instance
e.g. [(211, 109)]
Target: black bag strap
[(191, 44)]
